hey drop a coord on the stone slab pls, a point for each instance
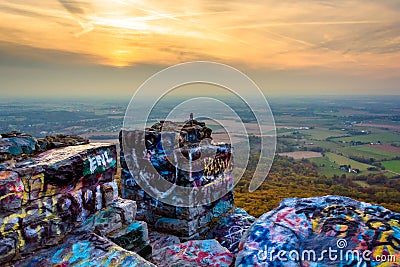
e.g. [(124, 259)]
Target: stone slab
[(161, 240), (133, 237), (86, 250), (193, 254), (109, 219), (68, 169), (230, 229)]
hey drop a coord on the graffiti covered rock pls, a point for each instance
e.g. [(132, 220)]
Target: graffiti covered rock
[(47, 197), (86, 250), (322, 231), (194, 253), (153, 154), (230, 229)]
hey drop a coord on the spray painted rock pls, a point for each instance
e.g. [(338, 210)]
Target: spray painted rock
[(231, 228), (160, 240), (133, 237), (11, 190), (68, 169), (323, 231), (86, 250), (194, 253)]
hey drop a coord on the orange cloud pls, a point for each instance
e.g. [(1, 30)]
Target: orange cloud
[(352, 36)]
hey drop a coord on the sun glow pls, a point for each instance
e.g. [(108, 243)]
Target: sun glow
[(291, 36), (121, 58)]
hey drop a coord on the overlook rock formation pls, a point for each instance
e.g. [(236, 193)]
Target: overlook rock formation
[(61, 197), (61, 205), (168, 139)]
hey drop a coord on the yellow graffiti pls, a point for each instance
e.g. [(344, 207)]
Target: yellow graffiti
[(213, 166), (32, 184), (382, 230)]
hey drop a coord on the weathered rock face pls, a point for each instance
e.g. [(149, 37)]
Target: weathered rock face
[(63, 191), (194, 253), (20, 146), (61, 140), (190, 131), (133, 237), (66, 198), (81, 170), (299, 231), (160, 240), (85, 250), (11, 190), (189, 222), (185, 222), (62, 208), (230, 229), (42, 200), (14, 144)]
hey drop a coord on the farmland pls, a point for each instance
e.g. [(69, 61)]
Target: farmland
[(322, 133), (367, 152), (326, 167), (388, 138), (302, 154), (347, 133), (341, 160), (393, 165)]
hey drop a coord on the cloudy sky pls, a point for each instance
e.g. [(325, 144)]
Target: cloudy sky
[(109, 47)]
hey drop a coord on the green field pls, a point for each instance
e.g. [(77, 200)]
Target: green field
[(371, 138), (322, 134), (341, 160), (327, 145), (326, 167), (283, 131), (330, 165), (305, 121), (392, 165), (367, 153)]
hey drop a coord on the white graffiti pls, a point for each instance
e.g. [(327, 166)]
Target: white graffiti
[(99, 160)]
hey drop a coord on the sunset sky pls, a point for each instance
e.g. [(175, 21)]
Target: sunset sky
[(109, 47)]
